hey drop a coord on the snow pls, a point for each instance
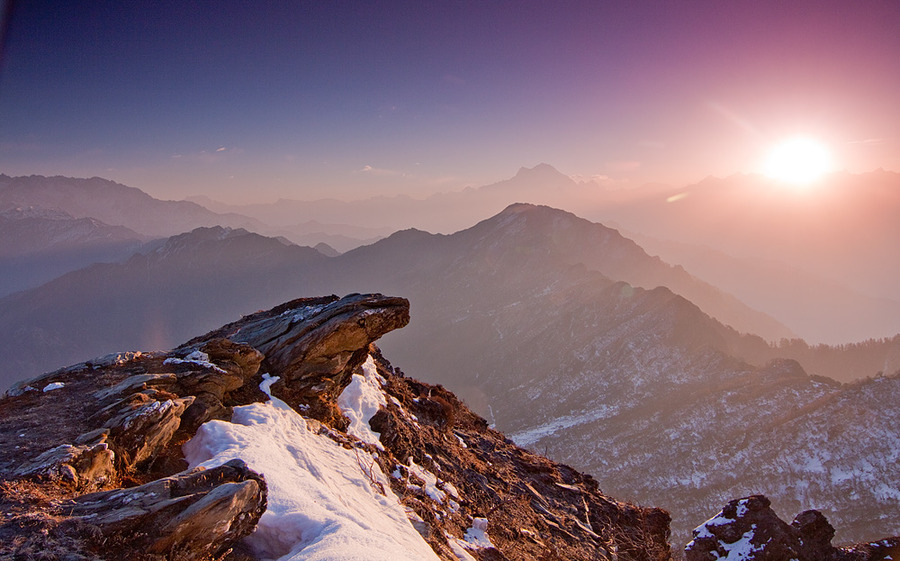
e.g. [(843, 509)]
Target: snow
[(53, 386), (359, 402), (702, 531), (477, 536), (742, 549), (323, 501), (739, 550), (457, 546), (530, 436), (430, 479), (197, 357)]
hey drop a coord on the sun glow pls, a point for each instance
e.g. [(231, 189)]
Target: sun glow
[(799, 161)]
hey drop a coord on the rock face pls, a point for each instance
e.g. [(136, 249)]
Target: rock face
[(748, 529), (93, 466), (314, 344)]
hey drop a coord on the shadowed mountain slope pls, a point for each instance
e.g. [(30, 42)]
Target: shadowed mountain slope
[(38, 245)]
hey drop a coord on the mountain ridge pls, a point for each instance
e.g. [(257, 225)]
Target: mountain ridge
[(115, 482), (533, 340)]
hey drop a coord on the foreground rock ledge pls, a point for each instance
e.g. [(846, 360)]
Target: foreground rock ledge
[(93, 468)]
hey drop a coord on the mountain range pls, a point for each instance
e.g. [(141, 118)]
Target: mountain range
[(526, 315), (560, 331), (789, 253)]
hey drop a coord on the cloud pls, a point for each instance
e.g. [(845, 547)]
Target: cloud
[(596, 178), (870, 141), (381, 172), (220, 154)]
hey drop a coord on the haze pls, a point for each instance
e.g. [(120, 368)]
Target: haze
[(657, 118), (245, 103)]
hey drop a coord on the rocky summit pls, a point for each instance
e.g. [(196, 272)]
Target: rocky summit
[(287, 435)]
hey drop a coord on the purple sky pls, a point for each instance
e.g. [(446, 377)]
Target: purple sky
[(250, 101)]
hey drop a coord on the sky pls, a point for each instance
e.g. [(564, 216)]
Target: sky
[(249, 102)]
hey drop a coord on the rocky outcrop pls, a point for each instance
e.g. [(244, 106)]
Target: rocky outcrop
[(314, 344), (95, 468), (190, 515), (748, 529), (103, 426)]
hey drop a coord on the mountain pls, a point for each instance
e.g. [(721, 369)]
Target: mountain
[(37, 245), (785, 292), (196, 280), (287, 435), (534, 317), (842, 229), (441, 212), (185, 285), (112, 203)]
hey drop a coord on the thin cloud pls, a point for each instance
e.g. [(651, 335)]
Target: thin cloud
[(381, 172), (220, 154), (870, 141)]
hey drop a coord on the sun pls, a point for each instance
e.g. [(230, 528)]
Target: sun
[(800, 160)]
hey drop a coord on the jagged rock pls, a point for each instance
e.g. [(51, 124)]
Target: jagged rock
[(140, 433), (82, 466), (189, 515), (814, 534), (314, 344), (749, 530), (745, 528), (224, 366)]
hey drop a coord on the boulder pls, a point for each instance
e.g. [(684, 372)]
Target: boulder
[(190, 515), (748, 529)]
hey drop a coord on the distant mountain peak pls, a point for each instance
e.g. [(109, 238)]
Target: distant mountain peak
[(540, 170)]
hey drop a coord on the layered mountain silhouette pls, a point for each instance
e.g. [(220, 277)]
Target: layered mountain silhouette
[(792, 253), (795, 256), (37, 245), (558, 330), (112, 203), (796, 297), (200, 277)]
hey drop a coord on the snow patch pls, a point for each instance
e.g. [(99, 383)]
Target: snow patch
[(323, 501), (528, 437), (53, 386), (742, 549), (431, 481), (477, 536), (359, 402), (197, 357), (458, 547)]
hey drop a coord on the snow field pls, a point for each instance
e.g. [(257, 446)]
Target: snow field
[(323, 502)]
